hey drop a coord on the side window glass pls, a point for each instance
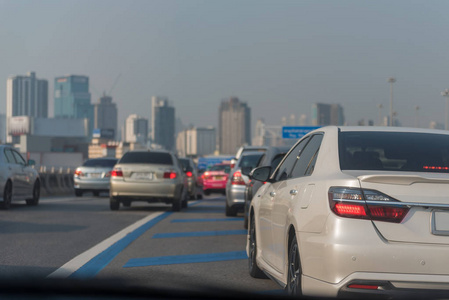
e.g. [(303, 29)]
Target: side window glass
[(285, 168), (9, 156), (19, 158), (307, 158)]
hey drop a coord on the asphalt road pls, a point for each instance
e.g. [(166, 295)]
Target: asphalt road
[(145, 244)]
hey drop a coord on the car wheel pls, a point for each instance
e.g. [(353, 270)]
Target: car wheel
[(230, 211), (36, 194), (294, 269), (7, 196), (96, 193), (114, 203), (78, 193), (254, 270), (207, 192), (177, 202), (126, 203), (200, 196)]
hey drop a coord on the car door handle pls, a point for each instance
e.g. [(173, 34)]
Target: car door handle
[(293, 192), (272, 194)]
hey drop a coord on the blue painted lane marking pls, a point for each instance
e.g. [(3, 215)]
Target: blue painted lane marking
[(198, 233), (185, 259), (206, 220), (96, 264)]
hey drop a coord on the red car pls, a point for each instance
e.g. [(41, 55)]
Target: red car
[(215, 178)]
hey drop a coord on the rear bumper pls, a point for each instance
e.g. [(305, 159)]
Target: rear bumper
[(214, 185), (352, 251), (143, 190), (92, 185), (235, 195)]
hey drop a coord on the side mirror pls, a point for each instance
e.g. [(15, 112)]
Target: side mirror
[(31, 162), (261, 173), (246, 171)]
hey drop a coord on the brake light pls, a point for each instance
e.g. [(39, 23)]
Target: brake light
[(366, 204), (108, 174), (170, 175), (237, 179), (79, 173), (189, 174), (117, 173)]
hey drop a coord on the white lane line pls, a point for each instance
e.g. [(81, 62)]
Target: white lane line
[(73, 265)]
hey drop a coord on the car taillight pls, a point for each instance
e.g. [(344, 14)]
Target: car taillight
[(189, 174), (237, 178), (107, 174), (366, 204), (205, 175), (170, 175), (117, 173), (78, 173)]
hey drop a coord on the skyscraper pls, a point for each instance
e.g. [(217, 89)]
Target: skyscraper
[(234, 125), (163, 123), (136, 129), (26, 96), (327, 114), (105, 115), (72, 99)]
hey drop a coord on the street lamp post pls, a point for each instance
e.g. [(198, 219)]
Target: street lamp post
[(380, 106), (445, 93), (391, 80), (417, 116)]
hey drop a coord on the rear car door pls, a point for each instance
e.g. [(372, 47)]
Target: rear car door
[(16, 173), (297, 190)]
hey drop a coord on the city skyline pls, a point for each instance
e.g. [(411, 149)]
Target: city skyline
[(278, 56)]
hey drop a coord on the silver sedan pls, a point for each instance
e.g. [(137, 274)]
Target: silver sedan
[(18, 179)]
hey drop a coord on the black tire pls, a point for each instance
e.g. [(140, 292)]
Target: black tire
[(36, 194), (78, 193), (207, 192), (254, 270), (126, 203), (200, 196), (178, 201), (7, 196), (230, 211), (96, 193), (114, 203), (294, 269)]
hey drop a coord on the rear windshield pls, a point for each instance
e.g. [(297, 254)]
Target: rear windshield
[(160, 158), (394, 151), (250, 160), (225, 168), (185, 164), (100, 163)]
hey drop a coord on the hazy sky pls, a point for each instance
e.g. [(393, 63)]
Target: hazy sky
[(278, 56)]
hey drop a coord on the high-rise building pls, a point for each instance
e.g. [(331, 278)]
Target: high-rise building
[(327, 114), (72, 99), (234, 125), (105, 116), (196, 142), (163, 123), (136, 130), (25, 96)]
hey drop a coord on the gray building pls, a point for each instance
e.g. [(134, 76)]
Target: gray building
[(196, 142), (136, 130), (25, 96), (105, 116), (327, 114), (234, 125), (163, 123)]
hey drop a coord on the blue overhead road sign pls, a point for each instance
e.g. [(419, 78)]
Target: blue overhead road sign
[(296, 132)]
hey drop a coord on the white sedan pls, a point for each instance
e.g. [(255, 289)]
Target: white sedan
[(355, 210)]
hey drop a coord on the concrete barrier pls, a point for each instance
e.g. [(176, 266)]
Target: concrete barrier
[(55, 182)]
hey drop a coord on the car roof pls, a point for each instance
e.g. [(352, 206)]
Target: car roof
[(381, 128)]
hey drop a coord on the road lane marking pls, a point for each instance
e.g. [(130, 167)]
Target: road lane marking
[(205, 220), (92, 261), (199, 233), (185, 259)]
